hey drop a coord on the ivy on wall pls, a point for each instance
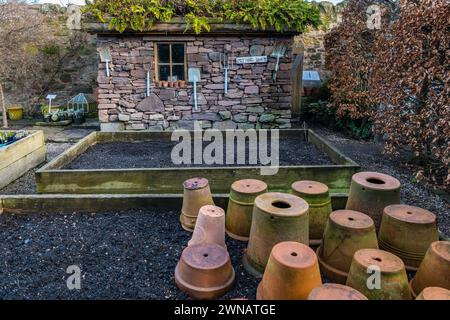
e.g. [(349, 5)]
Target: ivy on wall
[(140, 15)]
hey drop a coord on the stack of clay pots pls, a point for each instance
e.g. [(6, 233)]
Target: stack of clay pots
[(365, 249)]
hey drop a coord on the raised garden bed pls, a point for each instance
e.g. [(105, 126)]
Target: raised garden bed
[(335, 169), (17, 157)]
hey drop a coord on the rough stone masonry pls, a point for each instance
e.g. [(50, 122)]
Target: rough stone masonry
[(254, 99)]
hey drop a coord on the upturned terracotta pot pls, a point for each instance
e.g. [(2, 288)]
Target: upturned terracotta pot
[(334, 291), (407, 232), (240, 207), (205, 271), (319, 200), (346, 232), (434, 293), (196, 195), (210, 227), (371, 192), (391, 282), (277, 217), (434, 271), (292, 272)]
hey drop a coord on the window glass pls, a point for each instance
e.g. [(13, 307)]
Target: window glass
[(164, 73), (178, 72), (164, 53), (178, 53)]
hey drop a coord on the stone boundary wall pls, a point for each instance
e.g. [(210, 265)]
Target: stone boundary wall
[(254, 100)]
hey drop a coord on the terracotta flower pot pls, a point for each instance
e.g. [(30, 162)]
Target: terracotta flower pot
[(210, 227), (319, 200), (371, 192), (182, 83), (205, 271), (434, 271), (334, 291), (292, 272), (240, 207), (277, 217), (407, 232), (434, 293), (346, 232), (196, 195), (393, 281)]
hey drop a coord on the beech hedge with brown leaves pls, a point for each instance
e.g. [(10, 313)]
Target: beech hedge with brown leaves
[(397, 76)]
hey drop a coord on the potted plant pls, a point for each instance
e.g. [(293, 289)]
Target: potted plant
[(15, 112)]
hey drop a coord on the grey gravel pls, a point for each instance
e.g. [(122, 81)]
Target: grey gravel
[(124, 255)]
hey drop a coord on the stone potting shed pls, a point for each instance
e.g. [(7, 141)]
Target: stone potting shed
[(148, 85)]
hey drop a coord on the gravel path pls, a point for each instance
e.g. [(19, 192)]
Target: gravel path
[(27, 183), (127, 255), (369, 155), (156, 154)]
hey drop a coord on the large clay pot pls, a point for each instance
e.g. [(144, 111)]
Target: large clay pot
[(319, 200), (210, 227), (196, 195), (371, 192), (240, 207), (346, 232), (393, 280), (205, 271), (334, 291), (277, 217), (434, 271), (292, 272), (407, 232), (434, 293)]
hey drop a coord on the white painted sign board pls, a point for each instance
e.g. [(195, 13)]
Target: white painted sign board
[(256, 59), (51, 96)]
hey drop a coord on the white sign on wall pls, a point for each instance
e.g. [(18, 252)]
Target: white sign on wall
[(256, 59)]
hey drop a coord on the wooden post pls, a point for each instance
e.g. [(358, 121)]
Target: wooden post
[(297, 84), (3, 108)]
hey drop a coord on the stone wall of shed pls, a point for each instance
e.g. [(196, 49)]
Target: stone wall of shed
[(254, 100)]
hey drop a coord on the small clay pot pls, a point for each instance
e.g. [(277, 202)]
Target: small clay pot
[(277, 217), (334, 291), (292, 273), (346, 232), (181, 83), (407, 232), (210, 227), (240, 207), (205, 271), (196, 195), (434, 293), (393, 280), (371, 192), (434, 271), (319, 200), (165, 84)]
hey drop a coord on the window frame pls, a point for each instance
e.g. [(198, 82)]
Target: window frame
[(170, 64)]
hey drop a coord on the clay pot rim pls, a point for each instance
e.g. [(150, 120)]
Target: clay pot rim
[(249, 186), (410, 214), (236, 237), (338, 289), (293, 255), (435, 293), (351, 219), (201, 292), (297, 206), (195, 183), (442, 254), (411, 284), (368, 257), (342, 275), (184, 224), (363, 179), (205, 246), (309, 187)]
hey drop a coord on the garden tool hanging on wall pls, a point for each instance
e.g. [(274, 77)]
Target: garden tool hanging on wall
[(194, 76), (105, 56), (147, 67), (278, 52), (225, 65)]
